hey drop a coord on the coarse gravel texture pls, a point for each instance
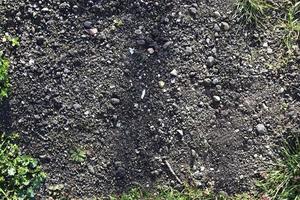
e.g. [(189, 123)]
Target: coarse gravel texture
[(156, 92)]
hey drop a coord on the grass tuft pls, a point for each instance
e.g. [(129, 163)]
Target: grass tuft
[(283, 182), (252, 12), (4, 79), (291, 26), (167, 193)]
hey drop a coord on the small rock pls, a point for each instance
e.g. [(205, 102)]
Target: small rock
[(64, 5), (225, 26), (87, 24), (269, 51), (138, 32), (194, 153), (45, 10), (131, 51), (215, 81), (217, 28), (150, 50), (57, 187), (197, 175), (174, 72), (216, 98), (180, 132), (91, 169), (115, 101), (77, 106), (161, 84), (265, 44), (261, 129), (217, 14), (193, 10), (167, 44), (93, 31), (210, 61), (189, 50)]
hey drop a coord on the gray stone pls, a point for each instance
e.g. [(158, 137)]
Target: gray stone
[(91, 169), (87, 24), (197, 175), (216, 98), (217, 14), (115, 101), (193, 10), (77, 106), (225, 26), (174, 72), (217, 28), (150, 51), (210, 61), (189, 50), (261, 129), (93, 31), (167, 44)]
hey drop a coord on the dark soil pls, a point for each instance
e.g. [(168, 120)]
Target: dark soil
[(104, 92)]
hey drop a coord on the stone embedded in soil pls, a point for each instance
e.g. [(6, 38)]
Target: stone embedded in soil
[(77, 106), (217, 14), (189, 50), (115, 101), (167, 44), (193, 10), (217, 28), (215, 81), (161, 84), (174, 72), (210, 61), (87, 24), (91, 169), (150, 50), (261, 129), (225, 26), (216, 99), (269, 51), (93, 31)]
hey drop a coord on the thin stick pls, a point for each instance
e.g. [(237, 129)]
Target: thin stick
[(172, 172)]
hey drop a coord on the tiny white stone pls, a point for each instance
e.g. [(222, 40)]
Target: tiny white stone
[(143, 94), (131, 50), (174, 72)]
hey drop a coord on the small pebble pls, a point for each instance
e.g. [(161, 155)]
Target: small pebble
[(269, 51), (217, 28), (193, 10), (161, 84), (189, 50), (150, 50), (217, 14), (93, 31), (216, 98), (77, 106), (115, 101), (261, 129), (87, 24), (225, 26), (174, 72), (210, 61)]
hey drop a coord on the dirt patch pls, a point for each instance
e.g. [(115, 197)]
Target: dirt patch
[(139, 84)]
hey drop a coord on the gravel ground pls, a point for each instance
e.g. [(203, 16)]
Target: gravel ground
[(156, 92)]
